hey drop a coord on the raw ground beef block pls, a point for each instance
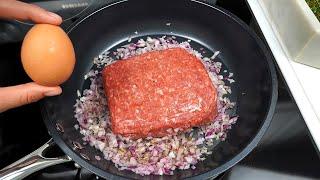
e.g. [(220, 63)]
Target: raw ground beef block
[(153, 92)]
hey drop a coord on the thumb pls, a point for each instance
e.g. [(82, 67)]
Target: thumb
[(14, 96)]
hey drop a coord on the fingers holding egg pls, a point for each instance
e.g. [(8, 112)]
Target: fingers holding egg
[(47, 55)]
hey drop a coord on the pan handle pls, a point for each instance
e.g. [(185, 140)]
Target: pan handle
[(31, 163)]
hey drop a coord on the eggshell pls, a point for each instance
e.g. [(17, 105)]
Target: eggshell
[(47, 55)]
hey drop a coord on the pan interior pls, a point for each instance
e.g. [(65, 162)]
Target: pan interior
[(208, 28)]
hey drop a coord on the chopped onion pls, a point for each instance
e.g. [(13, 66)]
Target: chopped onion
[(182, 150)]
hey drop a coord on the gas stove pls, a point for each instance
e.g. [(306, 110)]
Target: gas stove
[(285, 152)]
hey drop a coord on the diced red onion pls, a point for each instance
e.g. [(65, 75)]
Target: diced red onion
[(151, 155)]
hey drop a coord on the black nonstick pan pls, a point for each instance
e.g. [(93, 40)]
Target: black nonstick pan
[(209, 27)]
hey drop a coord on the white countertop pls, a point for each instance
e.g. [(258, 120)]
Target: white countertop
[(303, 81)]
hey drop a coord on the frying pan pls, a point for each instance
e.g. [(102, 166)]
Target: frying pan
[(209, 27)]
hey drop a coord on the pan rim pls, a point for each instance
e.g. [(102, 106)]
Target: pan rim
[(211, 173)]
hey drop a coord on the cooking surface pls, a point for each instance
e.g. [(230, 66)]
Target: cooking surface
[(286, 151)]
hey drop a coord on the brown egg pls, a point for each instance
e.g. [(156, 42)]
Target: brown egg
[(47, 55)]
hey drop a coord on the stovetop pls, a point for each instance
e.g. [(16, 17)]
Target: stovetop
[(285, 152)]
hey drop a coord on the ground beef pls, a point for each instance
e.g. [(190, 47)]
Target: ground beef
[(151, 93)]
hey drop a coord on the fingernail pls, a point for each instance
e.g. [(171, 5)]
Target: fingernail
[(53, 92), (54, 15)]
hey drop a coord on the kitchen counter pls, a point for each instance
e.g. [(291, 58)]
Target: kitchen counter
[(301, 79)]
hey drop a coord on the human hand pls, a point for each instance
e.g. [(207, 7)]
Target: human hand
[(14, 96)]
